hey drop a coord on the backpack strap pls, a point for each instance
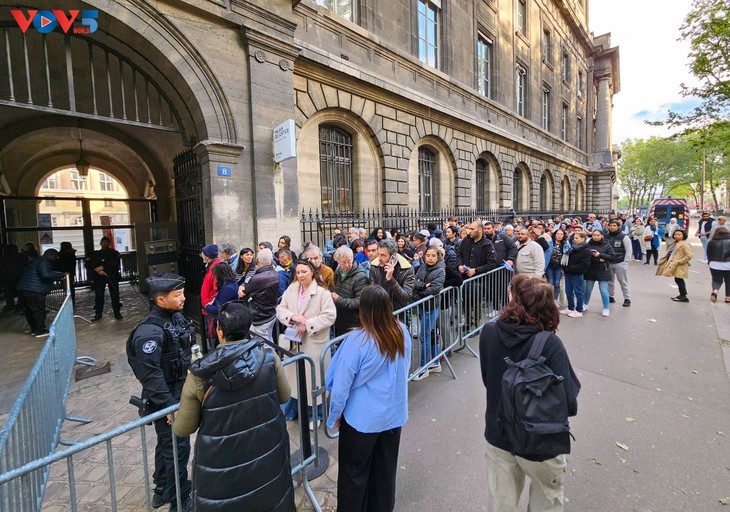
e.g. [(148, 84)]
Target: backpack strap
[(538, 344)]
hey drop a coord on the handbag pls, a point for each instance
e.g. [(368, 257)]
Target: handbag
[(647, 238)]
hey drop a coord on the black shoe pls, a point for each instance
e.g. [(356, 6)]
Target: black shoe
[(41, 334), (627, 303), (187, 505), (118, 315), (96, 317), (611, 300), (679, 298), (158, 500), (646, 263)]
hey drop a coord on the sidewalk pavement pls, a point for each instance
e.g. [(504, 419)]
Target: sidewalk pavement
[(653, 380)]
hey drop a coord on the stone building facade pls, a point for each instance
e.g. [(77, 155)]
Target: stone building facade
[(420, 103)]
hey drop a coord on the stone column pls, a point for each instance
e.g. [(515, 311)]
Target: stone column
[(271, 54), (603, 120)]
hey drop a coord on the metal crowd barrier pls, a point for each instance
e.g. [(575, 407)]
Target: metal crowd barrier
[(22, 485), (57, 296), (32, 430), (438, 325)]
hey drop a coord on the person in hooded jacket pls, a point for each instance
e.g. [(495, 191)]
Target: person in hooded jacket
[(231, 397), (430, 279), (602, 255), (579, 260), (531, 310)]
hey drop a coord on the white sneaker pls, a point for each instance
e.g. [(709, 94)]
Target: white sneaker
[(575, 314), (565, 311), (606, 312), (435, 368), (585, 308), (421, 375)]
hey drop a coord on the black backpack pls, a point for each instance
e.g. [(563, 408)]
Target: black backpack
[(534, 412)]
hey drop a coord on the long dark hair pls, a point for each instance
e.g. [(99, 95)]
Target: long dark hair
[(223, 274), (532, 302), (241, 267), (376, 317)]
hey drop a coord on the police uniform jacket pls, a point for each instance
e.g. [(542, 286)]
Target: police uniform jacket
[(242, 449), (158, 350)]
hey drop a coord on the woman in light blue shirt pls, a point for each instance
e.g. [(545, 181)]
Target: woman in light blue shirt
[(367, 379)]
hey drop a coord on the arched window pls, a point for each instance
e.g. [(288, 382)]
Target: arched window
[(579, 194), (566, 194), (335, 169), (426, 173), (482, 185), (517, 185), (546, 193)]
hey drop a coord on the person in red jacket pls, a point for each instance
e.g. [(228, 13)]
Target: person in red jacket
[(208, 290)]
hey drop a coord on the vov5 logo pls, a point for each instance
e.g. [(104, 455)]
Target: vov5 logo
[(47, 21)]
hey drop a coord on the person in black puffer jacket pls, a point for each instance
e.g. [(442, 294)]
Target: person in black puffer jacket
[(602, 256), (34, 286), (232, 397), (579, 260)]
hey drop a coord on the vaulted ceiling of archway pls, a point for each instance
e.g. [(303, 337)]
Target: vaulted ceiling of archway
[(32, 145)]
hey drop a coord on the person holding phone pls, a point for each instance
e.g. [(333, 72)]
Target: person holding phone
[(602, 256), (394, 273)]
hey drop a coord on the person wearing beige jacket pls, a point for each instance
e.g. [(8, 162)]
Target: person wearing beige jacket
[(676, 264), (308, 311)]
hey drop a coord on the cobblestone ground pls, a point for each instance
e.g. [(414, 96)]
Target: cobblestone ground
[(104, 399)]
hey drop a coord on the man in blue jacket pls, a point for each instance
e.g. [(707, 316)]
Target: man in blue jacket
[(34, 286)]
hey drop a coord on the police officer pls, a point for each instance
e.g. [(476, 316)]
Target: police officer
[(158, 350)]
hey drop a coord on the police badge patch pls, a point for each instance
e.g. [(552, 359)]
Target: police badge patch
[(149, 346)]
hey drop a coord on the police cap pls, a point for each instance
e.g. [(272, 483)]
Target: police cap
[(165, 283)]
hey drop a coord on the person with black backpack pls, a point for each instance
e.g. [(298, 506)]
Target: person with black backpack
[(531, 391)]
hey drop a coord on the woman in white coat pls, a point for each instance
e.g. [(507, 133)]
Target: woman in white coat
[(307, 309)]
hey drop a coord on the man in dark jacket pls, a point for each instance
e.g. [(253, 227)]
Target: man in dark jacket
[(13, 263), (505, 248), (34, 286), (66, 263), (579, 260), (232, 398), (476, 256), (392, 271), (350, 280), (159, 352), (476, 253), (103, 269), (262, 293)]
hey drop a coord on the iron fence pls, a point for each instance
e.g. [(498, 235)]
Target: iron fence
[(317, 226), (22, 484), (439, 326), (32, 430)]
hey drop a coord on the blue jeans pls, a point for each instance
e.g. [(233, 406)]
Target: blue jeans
[(704, 241), (574, 284), (636, 248), (554, 274), (602, 288), (425, 329)]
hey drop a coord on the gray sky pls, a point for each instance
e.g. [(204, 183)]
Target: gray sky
[(653, 63)]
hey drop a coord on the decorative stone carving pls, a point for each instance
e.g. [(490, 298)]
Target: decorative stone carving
[(260, 56)]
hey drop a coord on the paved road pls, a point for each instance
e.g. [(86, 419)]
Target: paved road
[(653, 379)]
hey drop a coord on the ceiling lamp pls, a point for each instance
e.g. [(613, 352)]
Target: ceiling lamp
[(82, 164)]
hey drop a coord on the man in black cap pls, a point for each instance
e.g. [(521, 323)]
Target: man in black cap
[(158, 350)]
